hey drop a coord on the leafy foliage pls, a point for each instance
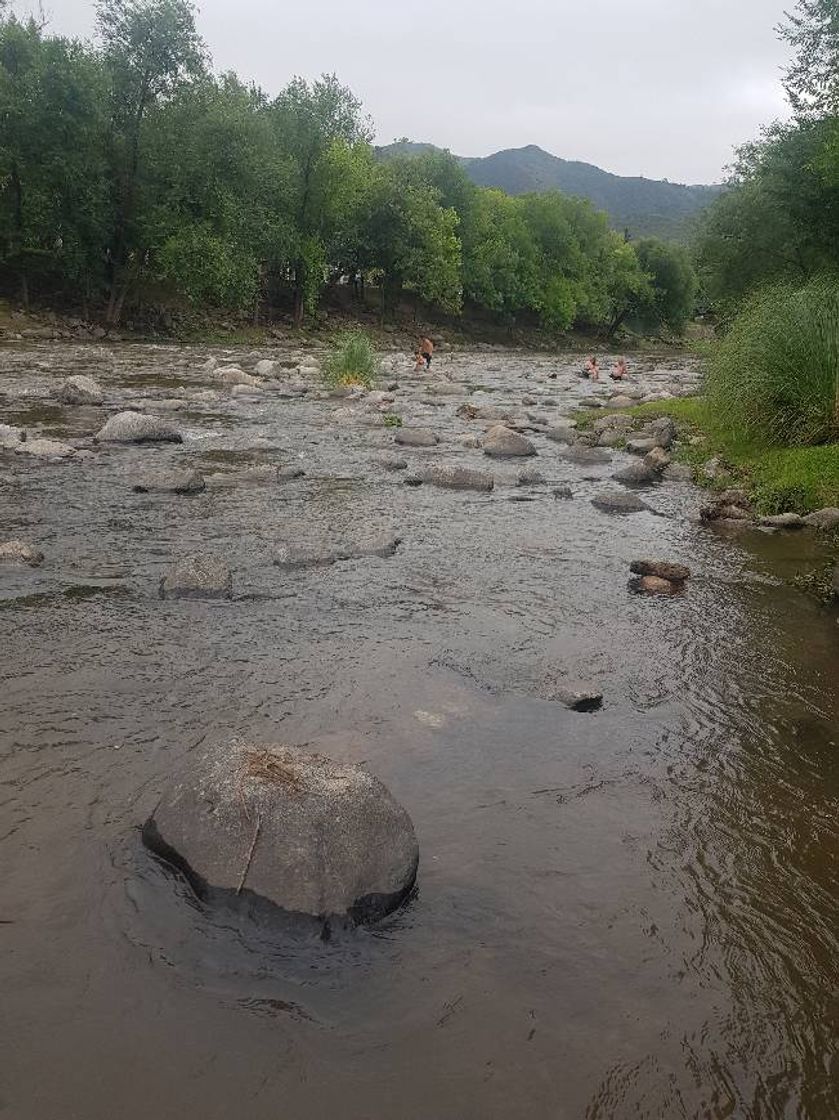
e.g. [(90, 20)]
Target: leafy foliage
[(351, 361)]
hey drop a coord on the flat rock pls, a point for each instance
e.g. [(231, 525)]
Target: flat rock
[(826, 519), (415, 437), (655, 585), (455, 478), (502, 443), (45, 449), (197, 577), (316, 556), (135, 427), (313, 837), (618, 502), (636, 474), (579, 696), (80, 389), (579, 453), (784, 521), (177, 481), (663, 569), (20, 552)]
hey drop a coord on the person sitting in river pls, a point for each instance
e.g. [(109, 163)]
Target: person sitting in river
[(592, 369), (620, 370), (425, 352)]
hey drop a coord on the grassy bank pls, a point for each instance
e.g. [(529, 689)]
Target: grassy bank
[(780, 479)]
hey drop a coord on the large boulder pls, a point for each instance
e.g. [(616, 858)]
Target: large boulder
[(197, 577), (80, 389), (19, 552), (502, 443), (134, 427), (416, 437), (316, 838)]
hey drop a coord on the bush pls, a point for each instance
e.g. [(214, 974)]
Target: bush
[(775, 376), (352, 361)]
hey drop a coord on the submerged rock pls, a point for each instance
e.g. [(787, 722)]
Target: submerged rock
[(614, 502), (454, 478), (314, 556), (312, 836), (135, 427), (19, 552), (80, 389), (177, 481), (198, 577), (416, 437), (502, 443)]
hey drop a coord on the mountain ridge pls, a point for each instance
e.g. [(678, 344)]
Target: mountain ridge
[(641, 206)]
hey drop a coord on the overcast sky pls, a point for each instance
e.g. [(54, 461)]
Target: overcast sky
[(662, 88)]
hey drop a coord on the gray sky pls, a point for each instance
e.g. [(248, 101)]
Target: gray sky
[(663, 88)]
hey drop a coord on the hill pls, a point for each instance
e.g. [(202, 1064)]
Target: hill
[(643, 206)]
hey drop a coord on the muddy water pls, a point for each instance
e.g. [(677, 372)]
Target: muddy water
[(631, 913)]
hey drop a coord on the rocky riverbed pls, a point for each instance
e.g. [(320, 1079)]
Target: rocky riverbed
[(624, 792)]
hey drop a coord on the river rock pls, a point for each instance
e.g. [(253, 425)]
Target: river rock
[(471, 442), (655, 585), (45, 449), (561, 433), (177, 481), (529, 476), (579, 696), (579, 453), (615, 422), (730, 505), (315, 556), (562, 493), (415, 437), (825, 519), (80, 389), (483, 412), (454, 478), (657, 459), (663, 569), (134, 427), (19, 552), (783, 521), (312, 836), (621, 401), (197, 577), (392, 462), (210, 366), (10, 437), (502, 443), (615, 502), (254, 390), (677, 472), (265, 368), (232, 375), (636, 474), (641, 446)]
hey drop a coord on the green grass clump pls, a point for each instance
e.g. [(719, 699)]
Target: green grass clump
[(393, 420), (352, 361), (774, 378)]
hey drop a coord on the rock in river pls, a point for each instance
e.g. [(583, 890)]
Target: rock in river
[(232, 375), (416, 437), (618, 502), (316, 838), (655, 585), (663, 569), (455, 478), (10, 437), (502, 443), (178, 481), (315, 556), (19, 552), (134, 427), (579, 696), (198, 577), (80, 389), (45, 449), (636, 474), (826, 519)]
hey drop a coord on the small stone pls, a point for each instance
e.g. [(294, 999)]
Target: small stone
[(621, 402), (562, 493), (579, 696), (392, 462), (254, 390), (529, 476), (314, 556), (579, 453), (470, 442), (10, 437), (19, 552), (80, 389), (483, 412), (210, 366), (416, 437), (502, 443), (663, 569), (197, 577)]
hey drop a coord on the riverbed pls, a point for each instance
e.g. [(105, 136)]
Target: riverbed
[(632, 912)]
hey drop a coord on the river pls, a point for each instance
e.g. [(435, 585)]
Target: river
[(621, 914)]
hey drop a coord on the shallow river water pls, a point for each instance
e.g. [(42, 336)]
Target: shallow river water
[(621, 914)]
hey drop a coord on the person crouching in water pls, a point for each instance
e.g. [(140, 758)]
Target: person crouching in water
[(592, 369), (620, 370), (424, 354)]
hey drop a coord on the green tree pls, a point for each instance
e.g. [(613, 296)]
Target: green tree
[(669, 298), (812, 78), (52, 201), (500, 267), (151, 49)]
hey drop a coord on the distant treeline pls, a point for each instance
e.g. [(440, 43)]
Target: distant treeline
[(130, 172)]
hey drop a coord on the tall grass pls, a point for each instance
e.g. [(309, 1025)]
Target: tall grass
[(352, 361), (775, 376)]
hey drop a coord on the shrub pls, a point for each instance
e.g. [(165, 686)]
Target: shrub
[(775, 376), (352, 361)]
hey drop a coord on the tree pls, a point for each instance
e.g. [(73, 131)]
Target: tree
[(319, 127), (669, 299), (151, 49), (500, 268), (52, 201), (812, 78)]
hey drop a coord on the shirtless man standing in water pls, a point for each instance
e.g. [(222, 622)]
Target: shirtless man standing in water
[(424, 354)]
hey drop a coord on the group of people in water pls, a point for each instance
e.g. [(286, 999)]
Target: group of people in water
[(619, 371), (591, 371)]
